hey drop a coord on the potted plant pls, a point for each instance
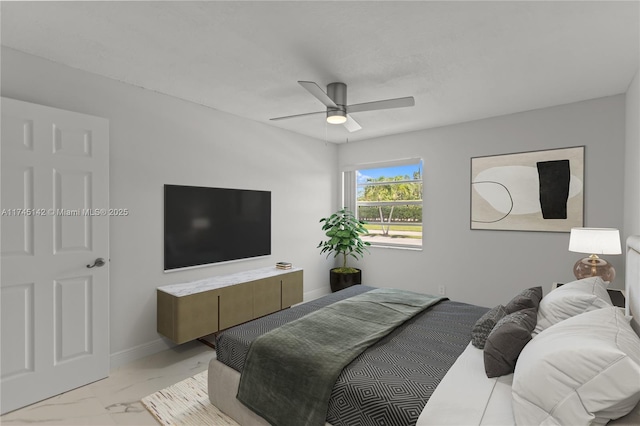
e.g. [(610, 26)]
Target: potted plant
[(343, 230)]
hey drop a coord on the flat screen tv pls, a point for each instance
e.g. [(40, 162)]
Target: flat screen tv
[(208, 225)]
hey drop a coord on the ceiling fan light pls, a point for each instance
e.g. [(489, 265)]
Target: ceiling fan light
[(336, 117)]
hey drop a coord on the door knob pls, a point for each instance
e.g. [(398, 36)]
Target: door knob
[(98, 263)]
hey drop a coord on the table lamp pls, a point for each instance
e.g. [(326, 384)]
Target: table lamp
[(594, 241)]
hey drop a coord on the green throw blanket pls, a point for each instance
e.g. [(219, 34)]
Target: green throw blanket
[(289, 372)]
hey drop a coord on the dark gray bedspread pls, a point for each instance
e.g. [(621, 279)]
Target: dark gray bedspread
[(389, 383)]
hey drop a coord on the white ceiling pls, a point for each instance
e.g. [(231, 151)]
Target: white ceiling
[(460, 60)]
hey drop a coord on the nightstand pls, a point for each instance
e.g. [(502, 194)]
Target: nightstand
[(618, 297)]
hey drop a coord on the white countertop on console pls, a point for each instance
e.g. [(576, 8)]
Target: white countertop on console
[(220, 281)]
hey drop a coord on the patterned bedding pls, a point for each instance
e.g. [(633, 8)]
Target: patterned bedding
[(389, 383)]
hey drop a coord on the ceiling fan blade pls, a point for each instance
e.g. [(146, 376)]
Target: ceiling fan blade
[(318, 93), (351, 124), (386, 104), (297, 115)]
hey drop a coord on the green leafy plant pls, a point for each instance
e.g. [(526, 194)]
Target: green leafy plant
[(343, 230)]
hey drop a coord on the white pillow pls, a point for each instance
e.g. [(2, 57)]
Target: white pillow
[(570, 300), (582, 371)]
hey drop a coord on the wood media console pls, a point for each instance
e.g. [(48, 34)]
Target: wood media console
[(189, 311)]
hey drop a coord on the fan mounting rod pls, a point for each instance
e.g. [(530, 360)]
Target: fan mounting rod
[(338, 93)]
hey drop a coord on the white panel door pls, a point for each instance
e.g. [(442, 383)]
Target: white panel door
[(54, 308)]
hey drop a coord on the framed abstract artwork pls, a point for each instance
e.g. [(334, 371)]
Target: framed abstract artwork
[(528, 191)]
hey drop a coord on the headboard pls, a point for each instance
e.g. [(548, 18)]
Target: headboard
[(632, 281)]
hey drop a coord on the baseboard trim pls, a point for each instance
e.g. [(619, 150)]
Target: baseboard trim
[(128, 355), (314, 294)]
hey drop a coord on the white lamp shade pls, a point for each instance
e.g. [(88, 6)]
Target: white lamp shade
[(595, 241)]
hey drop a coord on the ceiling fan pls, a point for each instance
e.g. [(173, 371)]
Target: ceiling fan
[(338, 112)]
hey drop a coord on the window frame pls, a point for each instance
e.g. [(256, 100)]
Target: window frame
[(350, 194)]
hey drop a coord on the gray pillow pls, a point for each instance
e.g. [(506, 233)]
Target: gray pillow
[(506, 341), (529, 298), (485, 324)]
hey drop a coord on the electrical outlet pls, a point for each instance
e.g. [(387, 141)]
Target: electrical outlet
[(442, 289)]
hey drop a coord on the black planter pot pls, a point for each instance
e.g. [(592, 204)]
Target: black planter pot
[(341, 281)]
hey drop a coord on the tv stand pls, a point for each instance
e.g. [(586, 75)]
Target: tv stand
[(189, 311)]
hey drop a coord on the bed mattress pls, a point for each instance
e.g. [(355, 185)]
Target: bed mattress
[(391, 382)]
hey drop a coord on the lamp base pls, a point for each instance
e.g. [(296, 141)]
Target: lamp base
[(593, 266)]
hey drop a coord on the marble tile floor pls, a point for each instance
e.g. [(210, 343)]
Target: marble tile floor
[(116, 399)]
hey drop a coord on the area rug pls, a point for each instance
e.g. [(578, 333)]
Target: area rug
[(186, 403)]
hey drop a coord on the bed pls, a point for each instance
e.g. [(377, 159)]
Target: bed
[(427, 372)]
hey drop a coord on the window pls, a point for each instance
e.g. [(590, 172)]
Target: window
[(388, 196)]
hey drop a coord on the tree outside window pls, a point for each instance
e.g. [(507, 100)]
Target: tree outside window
[(390, 200)]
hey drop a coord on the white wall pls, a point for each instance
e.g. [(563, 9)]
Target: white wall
[(157, 139), (489, 267), (632, 160)]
